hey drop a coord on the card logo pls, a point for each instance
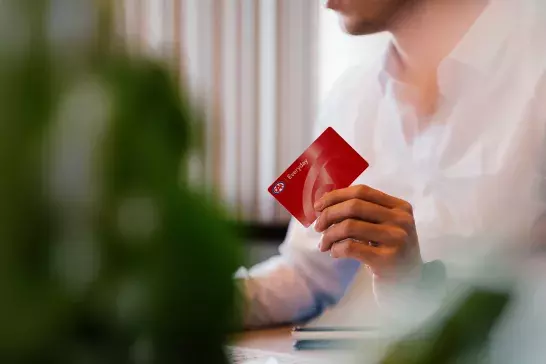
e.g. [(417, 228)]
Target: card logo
[(278, 188)]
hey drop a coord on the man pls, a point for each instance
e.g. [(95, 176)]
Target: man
[(452, 124)]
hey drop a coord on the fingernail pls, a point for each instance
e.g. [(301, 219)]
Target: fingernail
[(318, 205)]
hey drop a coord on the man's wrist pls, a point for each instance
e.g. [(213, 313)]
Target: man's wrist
[(429, 275), (433, 275), (401, 275)]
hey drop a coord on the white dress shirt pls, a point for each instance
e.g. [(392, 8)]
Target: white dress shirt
[(472, 176)]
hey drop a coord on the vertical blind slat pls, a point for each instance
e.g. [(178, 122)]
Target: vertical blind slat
[(268, 107), (230, 105), (248, 101)]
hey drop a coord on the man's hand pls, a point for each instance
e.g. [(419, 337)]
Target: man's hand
[(372, 227)]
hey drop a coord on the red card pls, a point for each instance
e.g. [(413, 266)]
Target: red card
[(330, 163)]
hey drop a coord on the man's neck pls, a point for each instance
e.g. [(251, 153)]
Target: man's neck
[(427, 31)]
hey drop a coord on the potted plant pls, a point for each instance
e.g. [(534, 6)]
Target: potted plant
[(107, 254)]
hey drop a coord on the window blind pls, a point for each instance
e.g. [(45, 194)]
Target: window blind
[(252, 66)]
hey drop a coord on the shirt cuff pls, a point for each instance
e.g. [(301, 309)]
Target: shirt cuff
[(412, 300)]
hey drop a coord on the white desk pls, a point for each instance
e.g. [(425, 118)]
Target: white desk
[(279, 340)]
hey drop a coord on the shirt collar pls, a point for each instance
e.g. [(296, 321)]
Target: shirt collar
[(480, 47), (474, 56)]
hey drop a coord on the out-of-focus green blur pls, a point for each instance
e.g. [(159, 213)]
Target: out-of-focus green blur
[(106, 255)]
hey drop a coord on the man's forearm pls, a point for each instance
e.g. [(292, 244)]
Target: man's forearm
[(280, 296)]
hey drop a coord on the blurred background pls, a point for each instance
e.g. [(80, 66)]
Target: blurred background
[(260, 69)]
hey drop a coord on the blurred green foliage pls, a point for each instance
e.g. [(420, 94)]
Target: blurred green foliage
[(462, 337), (106, 254)]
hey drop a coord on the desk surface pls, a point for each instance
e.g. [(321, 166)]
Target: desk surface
[(277, 340)]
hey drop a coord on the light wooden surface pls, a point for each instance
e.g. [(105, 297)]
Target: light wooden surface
[(277, 340)]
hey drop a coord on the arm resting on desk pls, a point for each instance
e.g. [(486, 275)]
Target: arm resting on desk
[(297, 284)]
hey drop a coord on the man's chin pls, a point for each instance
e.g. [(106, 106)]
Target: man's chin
[(360, 27)]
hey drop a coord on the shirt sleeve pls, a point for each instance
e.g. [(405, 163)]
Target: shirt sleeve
[(295, 285), (412, 302)]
